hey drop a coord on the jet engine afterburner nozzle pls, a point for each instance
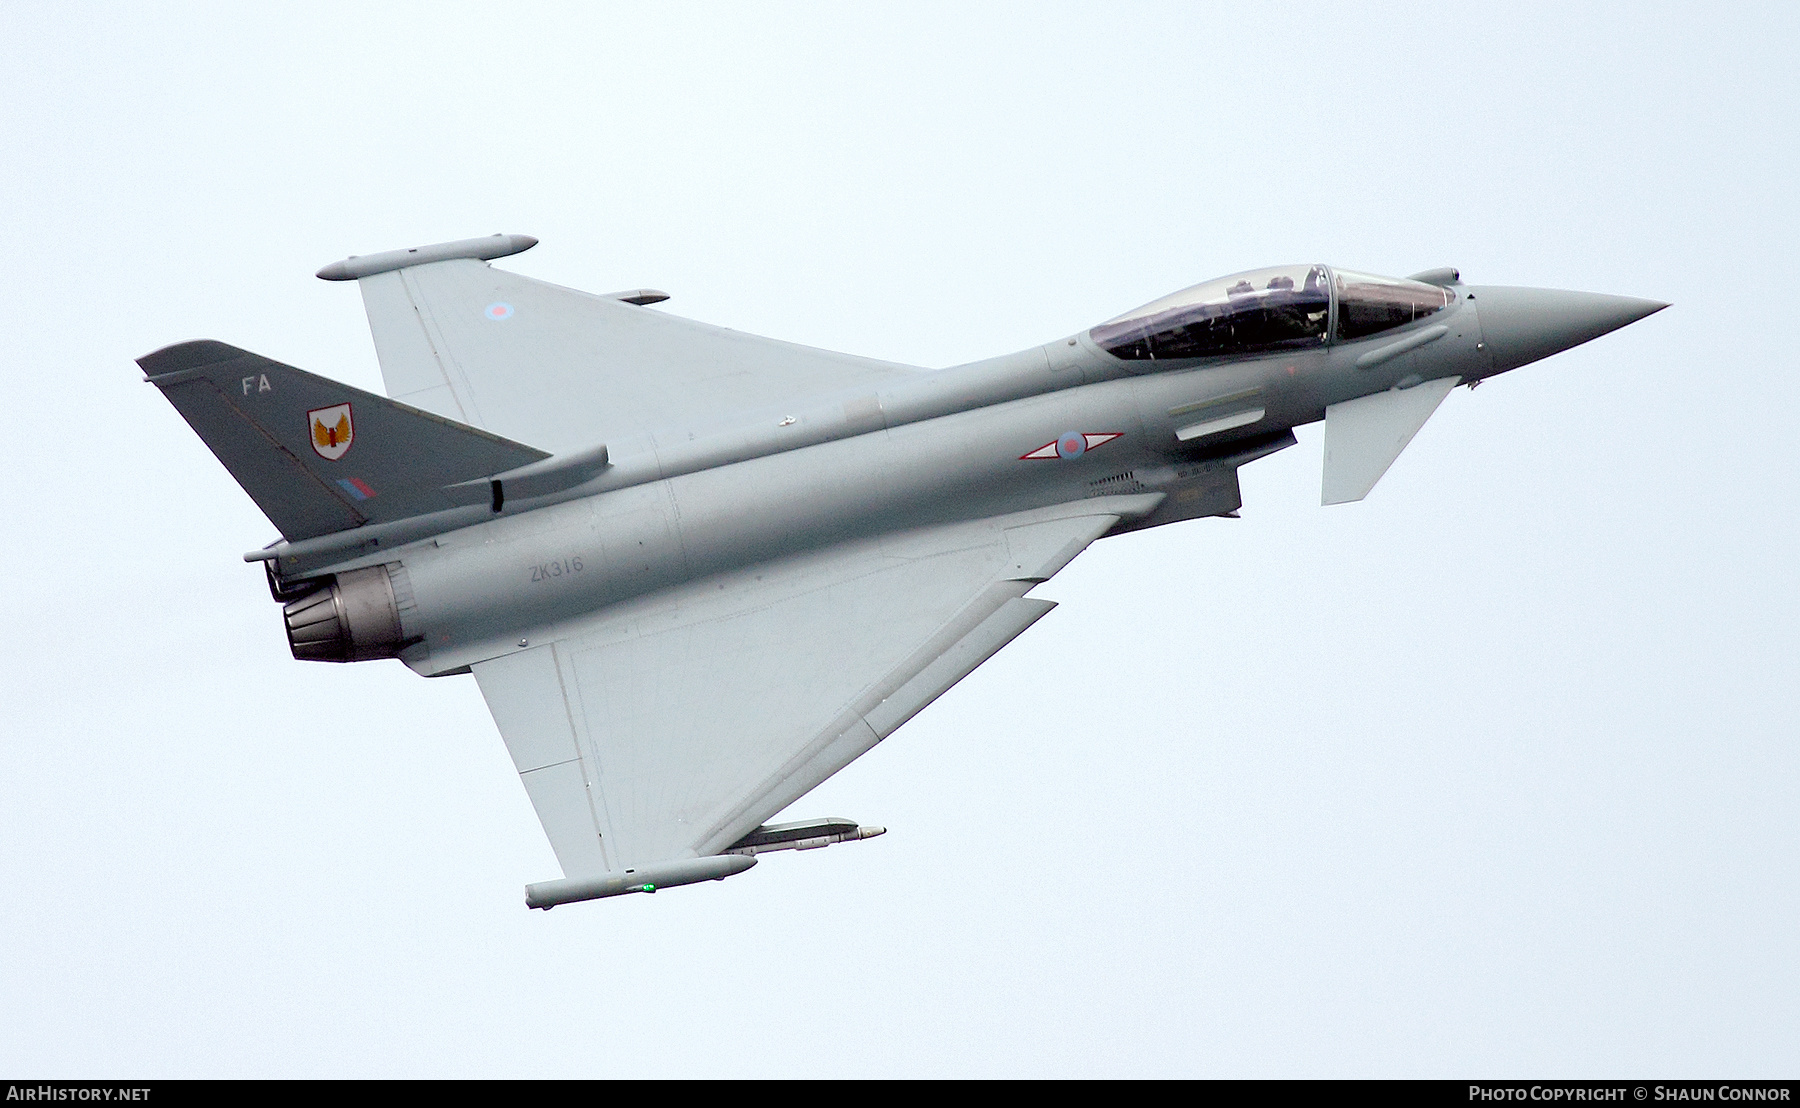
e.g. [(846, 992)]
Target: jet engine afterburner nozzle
[(353, 619), (1522, 325)]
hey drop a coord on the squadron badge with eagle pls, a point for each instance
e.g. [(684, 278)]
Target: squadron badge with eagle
[(332, 431)]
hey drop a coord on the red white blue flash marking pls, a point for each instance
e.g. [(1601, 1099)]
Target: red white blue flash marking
[(356, 487)]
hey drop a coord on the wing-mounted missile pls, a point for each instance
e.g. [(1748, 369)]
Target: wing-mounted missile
[(809, 834)]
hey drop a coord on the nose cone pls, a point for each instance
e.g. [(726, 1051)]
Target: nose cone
[(1521, 325)]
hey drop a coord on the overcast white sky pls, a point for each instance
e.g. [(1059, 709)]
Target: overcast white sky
[(1495, 773)]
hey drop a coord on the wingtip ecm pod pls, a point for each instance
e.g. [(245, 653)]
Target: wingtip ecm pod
[(482, 249), (740, 856), (638, 879)]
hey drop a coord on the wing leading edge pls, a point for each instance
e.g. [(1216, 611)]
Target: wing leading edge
[(563, 369), (664, 731)]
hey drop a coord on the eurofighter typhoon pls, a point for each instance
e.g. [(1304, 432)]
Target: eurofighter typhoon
[(696, 572)]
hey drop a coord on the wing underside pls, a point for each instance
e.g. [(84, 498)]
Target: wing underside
[(669, 728)]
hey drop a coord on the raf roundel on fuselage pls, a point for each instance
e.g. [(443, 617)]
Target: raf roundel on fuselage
[(1282, 308)]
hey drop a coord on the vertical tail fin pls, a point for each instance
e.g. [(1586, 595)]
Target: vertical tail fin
[(318, 456)]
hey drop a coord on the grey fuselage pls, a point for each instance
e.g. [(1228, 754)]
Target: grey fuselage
[(687, 507)]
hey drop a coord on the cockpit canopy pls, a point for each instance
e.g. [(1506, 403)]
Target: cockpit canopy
[(1286, 307)]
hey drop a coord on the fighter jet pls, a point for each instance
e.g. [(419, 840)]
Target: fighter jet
[(696, 572)]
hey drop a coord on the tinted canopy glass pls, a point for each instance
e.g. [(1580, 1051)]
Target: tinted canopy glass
[(1367, 304), (1265, 309)]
